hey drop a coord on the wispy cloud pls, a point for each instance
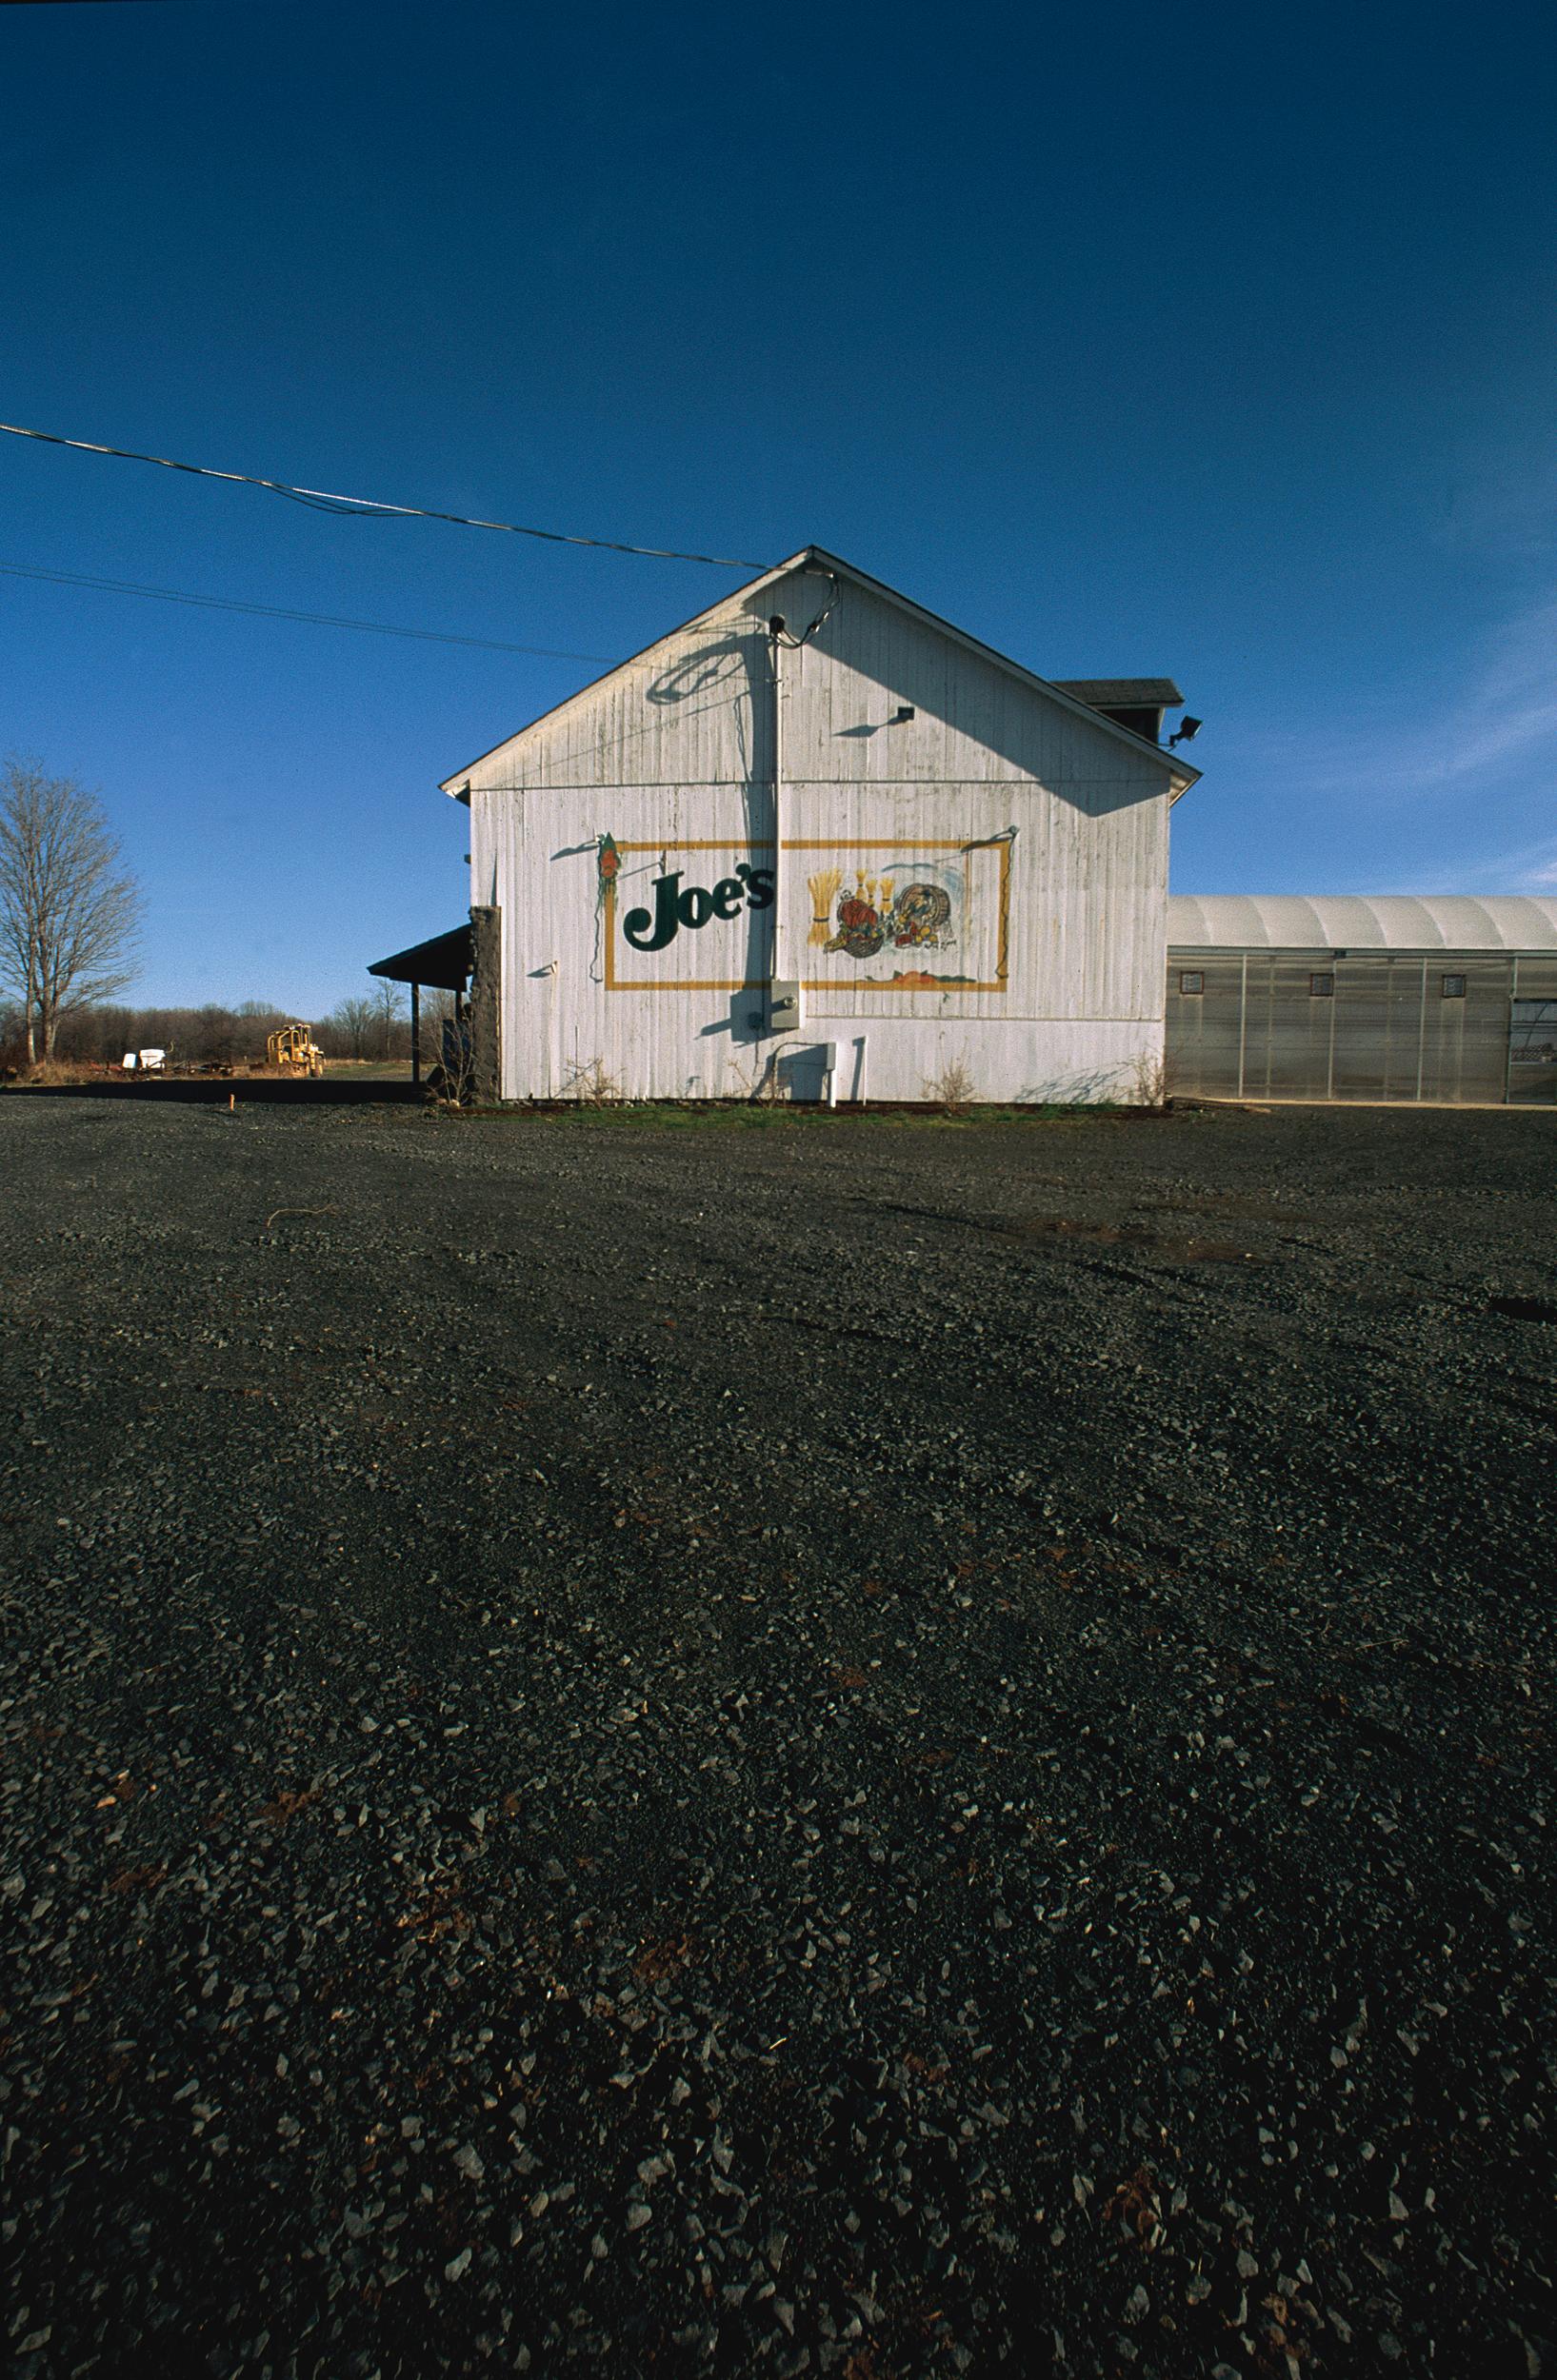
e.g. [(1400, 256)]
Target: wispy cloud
[(1522, 872), (1503, 504), (1506, 717), (1511, 708)]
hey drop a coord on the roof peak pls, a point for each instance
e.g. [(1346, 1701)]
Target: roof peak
[(1180, 774)]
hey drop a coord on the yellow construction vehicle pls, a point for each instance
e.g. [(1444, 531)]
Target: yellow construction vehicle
[(295, 1051)]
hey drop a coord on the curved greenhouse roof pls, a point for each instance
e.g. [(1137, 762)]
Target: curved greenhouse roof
[(1354, 921)]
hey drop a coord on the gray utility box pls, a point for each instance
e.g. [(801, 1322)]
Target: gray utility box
[(786, 1008)]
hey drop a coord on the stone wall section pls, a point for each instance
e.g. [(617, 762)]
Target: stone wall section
[(486, 1006)]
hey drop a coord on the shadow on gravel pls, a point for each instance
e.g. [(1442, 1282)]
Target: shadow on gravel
[(1524, 1309), (1062, 1230)]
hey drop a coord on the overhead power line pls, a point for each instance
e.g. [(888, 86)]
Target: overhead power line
[(323, 500), (281, 611)]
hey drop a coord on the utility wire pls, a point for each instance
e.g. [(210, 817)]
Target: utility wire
[(782, 636), (279, 612), (322, 499)]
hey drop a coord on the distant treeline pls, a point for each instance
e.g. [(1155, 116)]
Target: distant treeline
[(376, 1026)]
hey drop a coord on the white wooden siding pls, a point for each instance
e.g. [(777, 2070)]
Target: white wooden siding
[(676, 750)]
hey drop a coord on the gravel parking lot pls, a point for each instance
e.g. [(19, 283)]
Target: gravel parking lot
[(777, 1746)]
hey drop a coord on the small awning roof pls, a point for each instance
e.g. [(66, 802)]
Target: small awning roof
[(444, 961), (1123, 693)]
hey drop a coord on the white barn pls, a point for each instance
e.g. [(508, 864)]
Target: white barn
[(818, 843)]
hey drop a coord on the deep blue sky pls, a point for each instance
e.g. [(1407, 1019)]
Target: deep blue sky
[(1217, 342)]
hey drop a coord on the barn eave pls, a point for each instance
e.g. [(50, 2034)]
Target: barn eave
[(1180, 776)]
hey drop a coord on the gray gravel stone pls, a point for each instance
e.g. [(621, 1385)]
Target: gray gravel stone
[(776, 1748)]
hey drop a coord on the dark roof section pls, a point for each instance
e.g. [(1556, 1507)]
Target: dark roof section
[(1123, 693), (444, 961)]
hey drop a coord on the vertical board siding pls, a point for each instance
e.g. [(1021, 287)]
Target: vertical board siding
[(676, 750)]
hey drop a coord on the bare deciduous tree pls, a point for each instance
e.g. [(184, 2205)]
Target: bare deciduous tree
[(388, 1005), (68, 914), (350, 1023)]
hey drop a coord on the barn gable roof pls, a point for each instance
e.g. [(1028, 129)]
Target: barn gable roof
[(814, 557)]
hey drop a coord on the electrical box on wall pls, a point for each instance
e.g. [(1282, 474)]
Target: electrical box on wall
[(786, 1008)]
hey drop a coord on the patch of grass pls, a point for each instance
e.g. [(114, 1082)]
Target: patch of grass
[(782, 1116), (52, 1072)]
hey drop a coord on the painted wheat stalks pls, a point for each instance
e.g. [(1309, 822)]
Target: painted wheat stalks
[(824, 890)]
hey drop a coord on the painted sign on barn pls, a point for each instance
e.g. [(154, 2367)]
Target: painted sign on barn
[(892, 915), (908, 917), (817, 784)]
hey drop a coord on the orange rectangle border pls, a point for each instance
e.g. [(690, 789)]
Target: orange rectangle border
[(824, 984)]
